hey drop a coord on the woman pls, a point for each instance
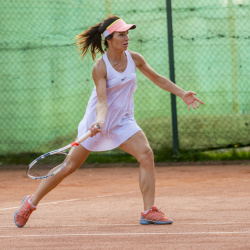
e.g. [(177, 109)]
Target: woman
[(111, 107)]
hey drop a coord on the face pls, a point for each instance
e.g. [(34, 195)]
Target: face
[(119, 41)]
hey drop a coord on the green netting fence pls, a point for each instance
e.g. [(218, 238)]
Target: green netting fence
[(45, 86)]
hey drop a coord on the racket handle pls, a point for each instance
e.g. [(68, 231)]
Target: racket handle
[(83, 137)]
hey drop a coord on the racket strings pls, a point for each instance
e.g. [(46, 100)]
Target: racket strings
[(48, 165)]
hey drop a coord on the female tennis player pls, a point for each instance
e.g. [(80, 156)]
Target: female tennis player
[(111, 107)]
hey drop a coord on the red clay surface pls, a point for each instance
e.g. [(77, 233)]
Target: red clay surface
[(99, 208)]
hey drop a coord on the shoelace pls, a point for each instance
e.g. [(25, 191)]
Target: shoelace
[(156, 215), (159, 211)]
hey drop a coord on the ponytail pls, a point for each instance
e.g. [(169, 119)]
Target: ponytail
[(92, 38)]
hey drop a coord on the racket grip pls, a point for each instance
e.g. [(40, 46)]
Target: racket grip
[(83, 137)]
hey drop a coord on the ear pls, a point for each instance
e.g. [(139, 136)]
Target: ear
[(109, 41)]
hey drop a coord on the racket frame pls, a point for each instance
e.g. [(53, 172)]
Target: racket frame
[(58, 151)]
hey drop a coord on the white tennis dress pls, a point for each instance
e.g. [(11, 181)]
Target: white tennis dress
[(120, 123)]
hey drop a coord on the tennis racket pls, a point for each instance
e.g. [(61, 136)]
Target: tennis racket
[(53, 162)]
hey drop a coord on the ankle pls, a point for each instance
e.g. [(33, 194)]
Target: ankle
[(144, 212), (32, 202)]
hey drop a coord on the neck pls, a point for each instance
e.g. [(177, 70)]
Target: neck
[(115, 55)]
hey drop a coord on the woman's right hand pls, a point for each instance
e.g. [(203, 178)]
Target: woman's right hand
[(96, 127)]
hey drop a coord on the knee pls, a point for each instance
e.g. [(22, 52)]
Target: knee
[(69, 169), (146, 157)]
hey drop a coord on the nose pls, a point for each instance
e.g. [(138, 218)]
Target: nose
[(127, 37)]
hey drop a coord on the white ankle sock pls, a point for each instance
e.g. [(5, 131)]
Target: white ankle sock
[(144, 212), (31, 203)]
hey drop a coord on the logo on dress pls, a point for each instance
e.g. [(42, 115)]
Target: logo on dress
[(123, 78)]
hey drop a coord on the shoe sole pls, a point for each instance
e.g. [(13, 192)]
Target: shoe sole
[(18, 210), (148, 222)]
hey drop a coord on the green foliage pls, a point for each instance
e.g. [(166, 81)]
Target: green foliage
[(229, 154), (161, 155)]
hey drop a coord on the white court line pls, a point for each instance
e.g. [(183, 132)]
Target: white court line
[(125, 234), (107, 195), (123, 225), (83, 225), (55, 202), (213, 223)]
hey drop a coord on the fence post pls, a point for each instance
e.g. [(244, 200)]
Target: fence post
[(172, 78)]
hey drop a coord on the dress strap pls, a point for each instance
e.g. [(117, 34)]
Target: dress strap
[(131, 63)]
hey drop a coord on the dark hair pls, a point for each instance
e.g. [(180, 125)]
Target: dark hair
[(92, 38)]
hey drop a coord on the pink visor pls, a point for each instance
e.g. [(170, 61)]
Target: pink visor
[(119, 26)]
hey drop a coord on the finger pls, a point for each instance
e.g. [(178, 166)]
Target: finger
[(95, 129), (91, 126), (194, 107), (189, 106), (200, 101), (197, 105)]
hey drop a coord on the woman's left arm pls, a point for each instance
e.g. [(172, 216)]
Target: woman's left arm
[(188, 96)]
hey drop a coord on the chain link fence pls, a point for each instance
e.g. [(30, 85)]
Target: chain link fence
[(45, 85), (211, 42)]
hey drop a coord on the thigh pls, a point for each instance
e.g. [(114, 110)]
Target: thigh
[(136, 145)]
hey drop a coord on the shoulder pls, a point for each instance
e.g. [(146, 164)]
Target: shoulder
[(99, 68), (138, 58)]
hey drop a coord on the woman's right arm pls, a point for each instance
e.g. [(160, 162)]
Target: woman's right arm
[(99, 75)]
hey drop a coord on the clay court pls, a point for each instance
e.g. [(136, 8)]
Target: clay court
[(99, 208)]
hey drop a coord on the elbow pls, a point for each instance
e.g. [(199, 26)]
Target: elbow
[(159, 80)]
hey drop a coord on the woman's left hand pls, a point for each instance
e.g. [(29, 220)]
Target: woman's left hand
[(190, 99)]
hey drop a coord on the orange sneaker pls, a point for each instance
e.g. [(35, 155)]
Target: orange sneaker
[(23, 213), (154, 216)]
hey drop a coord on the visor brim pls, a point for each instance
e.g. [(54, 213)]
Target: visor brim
[(126, 27)]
